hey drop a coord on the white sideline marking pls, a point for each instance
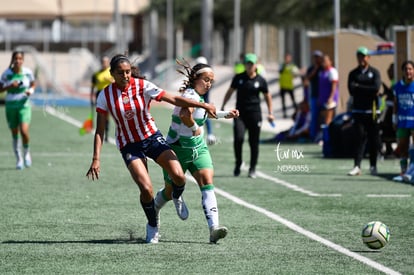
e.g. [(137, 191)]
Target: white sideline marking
[(294, 187), (307, 233), (62, 116), (267, 213), (388, 196), (69, 119)]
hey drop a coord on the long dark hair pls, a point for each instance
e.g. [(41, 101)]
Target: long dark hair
[(119, 58), (189, 73), (14, 56)]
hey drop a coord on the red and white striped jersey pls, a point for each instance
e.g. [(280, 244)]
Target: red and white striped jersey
[(130, 109)]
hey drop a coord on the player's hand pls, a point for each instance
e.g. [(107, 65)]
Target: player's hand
[(14, 84), (185, 116), (94, 170), (29, 92), (211, 110), (233, 114), (270, 118)]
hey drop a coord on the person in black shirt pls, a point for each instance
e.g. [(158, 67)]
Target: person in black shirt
[(248, 84), (364, 83)]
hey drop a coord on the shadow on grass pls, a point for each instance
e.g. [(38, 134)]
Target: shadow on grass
[(8, 169), (102, 241), (387, 176), (366, 251), (354, 179)]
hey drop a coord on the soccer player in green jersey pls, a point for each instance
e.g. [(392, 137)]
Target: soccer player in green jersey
[(186, 138), (19, 83)]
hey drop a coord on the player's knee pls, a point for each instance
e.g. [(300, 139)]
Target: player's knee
[(147, 191), (178, 177)]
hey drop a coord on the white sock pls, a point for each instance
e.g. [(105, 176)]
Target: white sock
[(159, 200), (16, 148), (26, 152), (209, 203)]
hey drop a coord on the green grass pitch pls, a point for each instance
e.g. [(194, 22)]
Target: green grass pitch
[(307, 221)]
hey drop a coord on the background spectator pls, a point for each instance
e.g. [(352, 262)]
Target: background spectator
[(364, 83), (287, 73)]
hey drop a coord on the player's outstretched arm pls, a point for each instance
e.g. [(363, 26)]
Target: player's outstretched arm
[(234, 113), (94, 169), (185, 102)]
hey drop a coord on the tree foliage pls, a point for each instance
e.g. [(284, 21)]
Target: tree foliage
[(380, 15), (312, 14)]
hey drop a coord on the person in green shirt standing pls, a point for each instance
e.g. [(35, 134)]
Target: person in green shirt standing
[(19, 82)]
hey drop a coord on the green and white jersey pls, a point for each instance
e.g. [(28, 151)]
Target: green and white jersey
[(181, 134), (16, 97)]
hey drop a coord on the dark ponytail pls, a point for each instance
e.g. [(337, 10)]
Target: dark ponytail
[(189, 73)]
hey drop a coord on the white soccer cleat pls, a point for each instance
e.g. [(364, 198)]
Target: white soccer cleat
[(217, 233), (19, 164), (408, 175), (398, 178), (211, 139), (407, 178), (182, 210), (252, 174), (27, 159), (356, 171), (152, 234)]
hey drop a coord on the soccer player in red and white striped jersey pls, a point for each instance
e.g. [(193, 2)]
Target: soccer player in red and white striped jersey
[(128, 101)]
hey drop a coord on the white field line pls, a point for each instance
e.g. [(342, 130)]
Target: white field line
[(388, 196), (302, 231), (313, 194), (278, 218), (307, 233), (293, 186), (63, 116), (69, 119)]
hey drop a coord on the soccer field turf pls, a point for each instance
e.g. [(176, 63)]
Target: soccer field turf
[(306, 221)]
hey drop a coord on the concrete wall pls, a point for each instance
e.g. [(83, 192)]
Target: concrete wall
[(64, 73)]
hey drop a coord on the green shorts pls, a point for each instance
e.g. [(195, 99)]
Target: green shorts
[(18, 115), (191, 159), (404, 132)]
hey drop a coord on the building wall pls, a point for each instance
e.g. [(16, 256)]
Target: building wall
[(404, 44), (267, 47)]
